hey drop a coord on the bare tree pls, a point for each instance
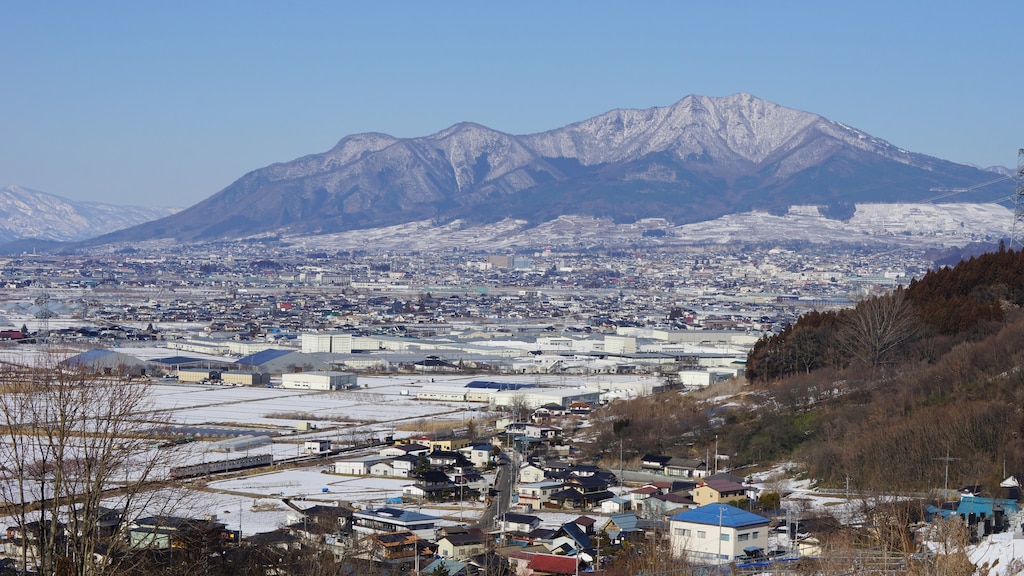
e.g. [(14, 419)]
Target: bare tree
[(878, 329), (519, 407), (72, 441)]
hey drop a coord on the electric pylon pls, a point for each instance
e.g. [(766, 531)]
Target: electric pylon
[(1017, 232)]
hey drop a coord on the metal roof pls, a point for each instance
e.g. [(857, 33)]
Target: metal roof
[(720, 515)]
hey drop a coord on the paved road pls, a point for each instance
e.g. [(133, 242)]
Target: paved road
[(504, 482)]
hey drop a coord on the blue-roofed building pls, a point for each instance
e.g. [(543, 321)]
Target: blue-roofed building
[(446, 566), (570, 539), (716, 533), (262, 357), (488, 385), (107, 362), (620, 526), (985, 516), (277, 361)]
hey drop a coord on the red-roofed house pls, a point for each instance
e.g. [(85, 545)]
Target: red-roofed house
[(637, 497), (551, 565), (586, 523)]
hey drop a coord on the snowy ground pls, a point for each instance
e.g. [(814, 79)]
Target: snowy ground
[(907, 224), (996, 555)]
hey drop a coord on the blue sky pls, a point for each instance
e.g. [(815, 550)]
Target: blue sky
[(166, 103)]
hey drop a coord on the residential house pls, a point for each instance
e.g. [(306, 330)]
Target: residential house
[(447, 444), (432, 485), (546, 412), (552, 565), (686, 467), (533, 431), (640, 495), (35, 533), (400, 467), (281, 539), (447, 566), (462, 545), (615, 505), (654, 461), (713, 490), (480, 455), (537, 494), (469, 484), (580, 408), (317, 446), (536, 564), (587, 524), (397, 450), (661, 506), (383, 520), (400, 547), (570, 539), (334, 518), (530, 473), (518, 522), (358, 466), (627, 526), (162, 532), (581, 493), (449, 460), (716, 533)]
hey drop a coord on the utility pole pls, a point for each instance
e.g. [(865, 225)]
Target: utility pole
[(720, 511), (716, 453), (947, 460)]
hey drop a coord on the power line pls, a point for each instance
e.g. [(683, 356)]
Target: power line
[(952, 191)]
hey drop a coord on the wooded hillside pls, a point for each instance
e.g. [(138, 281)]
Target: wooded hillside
[(880, 393)]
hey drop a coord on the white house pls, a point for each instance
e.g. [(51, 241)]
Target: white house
[(398, 467), (317, 446), (404, 450), (359, 466), (479, 455), (530, 473), (537, 493), (510, 522), (716, 533)]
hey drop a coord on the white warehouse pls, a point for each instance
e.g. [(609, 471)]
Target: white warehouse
[(318, 380), (333, 342), (534, 398)]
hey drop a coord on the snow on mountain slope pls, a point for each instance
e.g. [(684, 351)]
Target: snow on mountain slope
[(26, 213), (699, 159)]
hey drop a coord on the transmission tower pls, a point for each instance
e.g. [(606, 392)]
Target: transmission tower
[(1017, 232)]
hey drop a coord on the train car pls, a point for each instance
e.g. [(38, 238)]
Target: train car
[(232, 465)]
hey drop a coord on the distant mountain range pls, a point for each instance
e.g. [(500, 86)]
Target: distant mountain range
[(26, 213), (696, 160)]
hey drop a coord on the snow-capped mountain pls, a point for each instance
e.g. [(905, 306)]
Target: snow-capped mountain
[(699, 159), (26, 213)]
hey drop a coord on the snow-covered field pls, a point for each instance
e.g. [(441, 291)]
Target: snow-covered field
[(905, 224)]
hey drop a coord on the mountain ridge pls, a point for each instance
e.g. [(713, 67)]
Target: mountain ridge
[(695, 160), (26, 213)]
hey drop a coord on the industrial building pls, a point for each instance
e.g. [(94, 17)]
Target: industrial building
[(534, 398), (333, 342), (330, 380), (198, 375), (244, 378)]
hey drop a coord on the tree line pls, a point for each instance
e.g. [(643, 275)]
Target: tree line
[(946, 306)]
